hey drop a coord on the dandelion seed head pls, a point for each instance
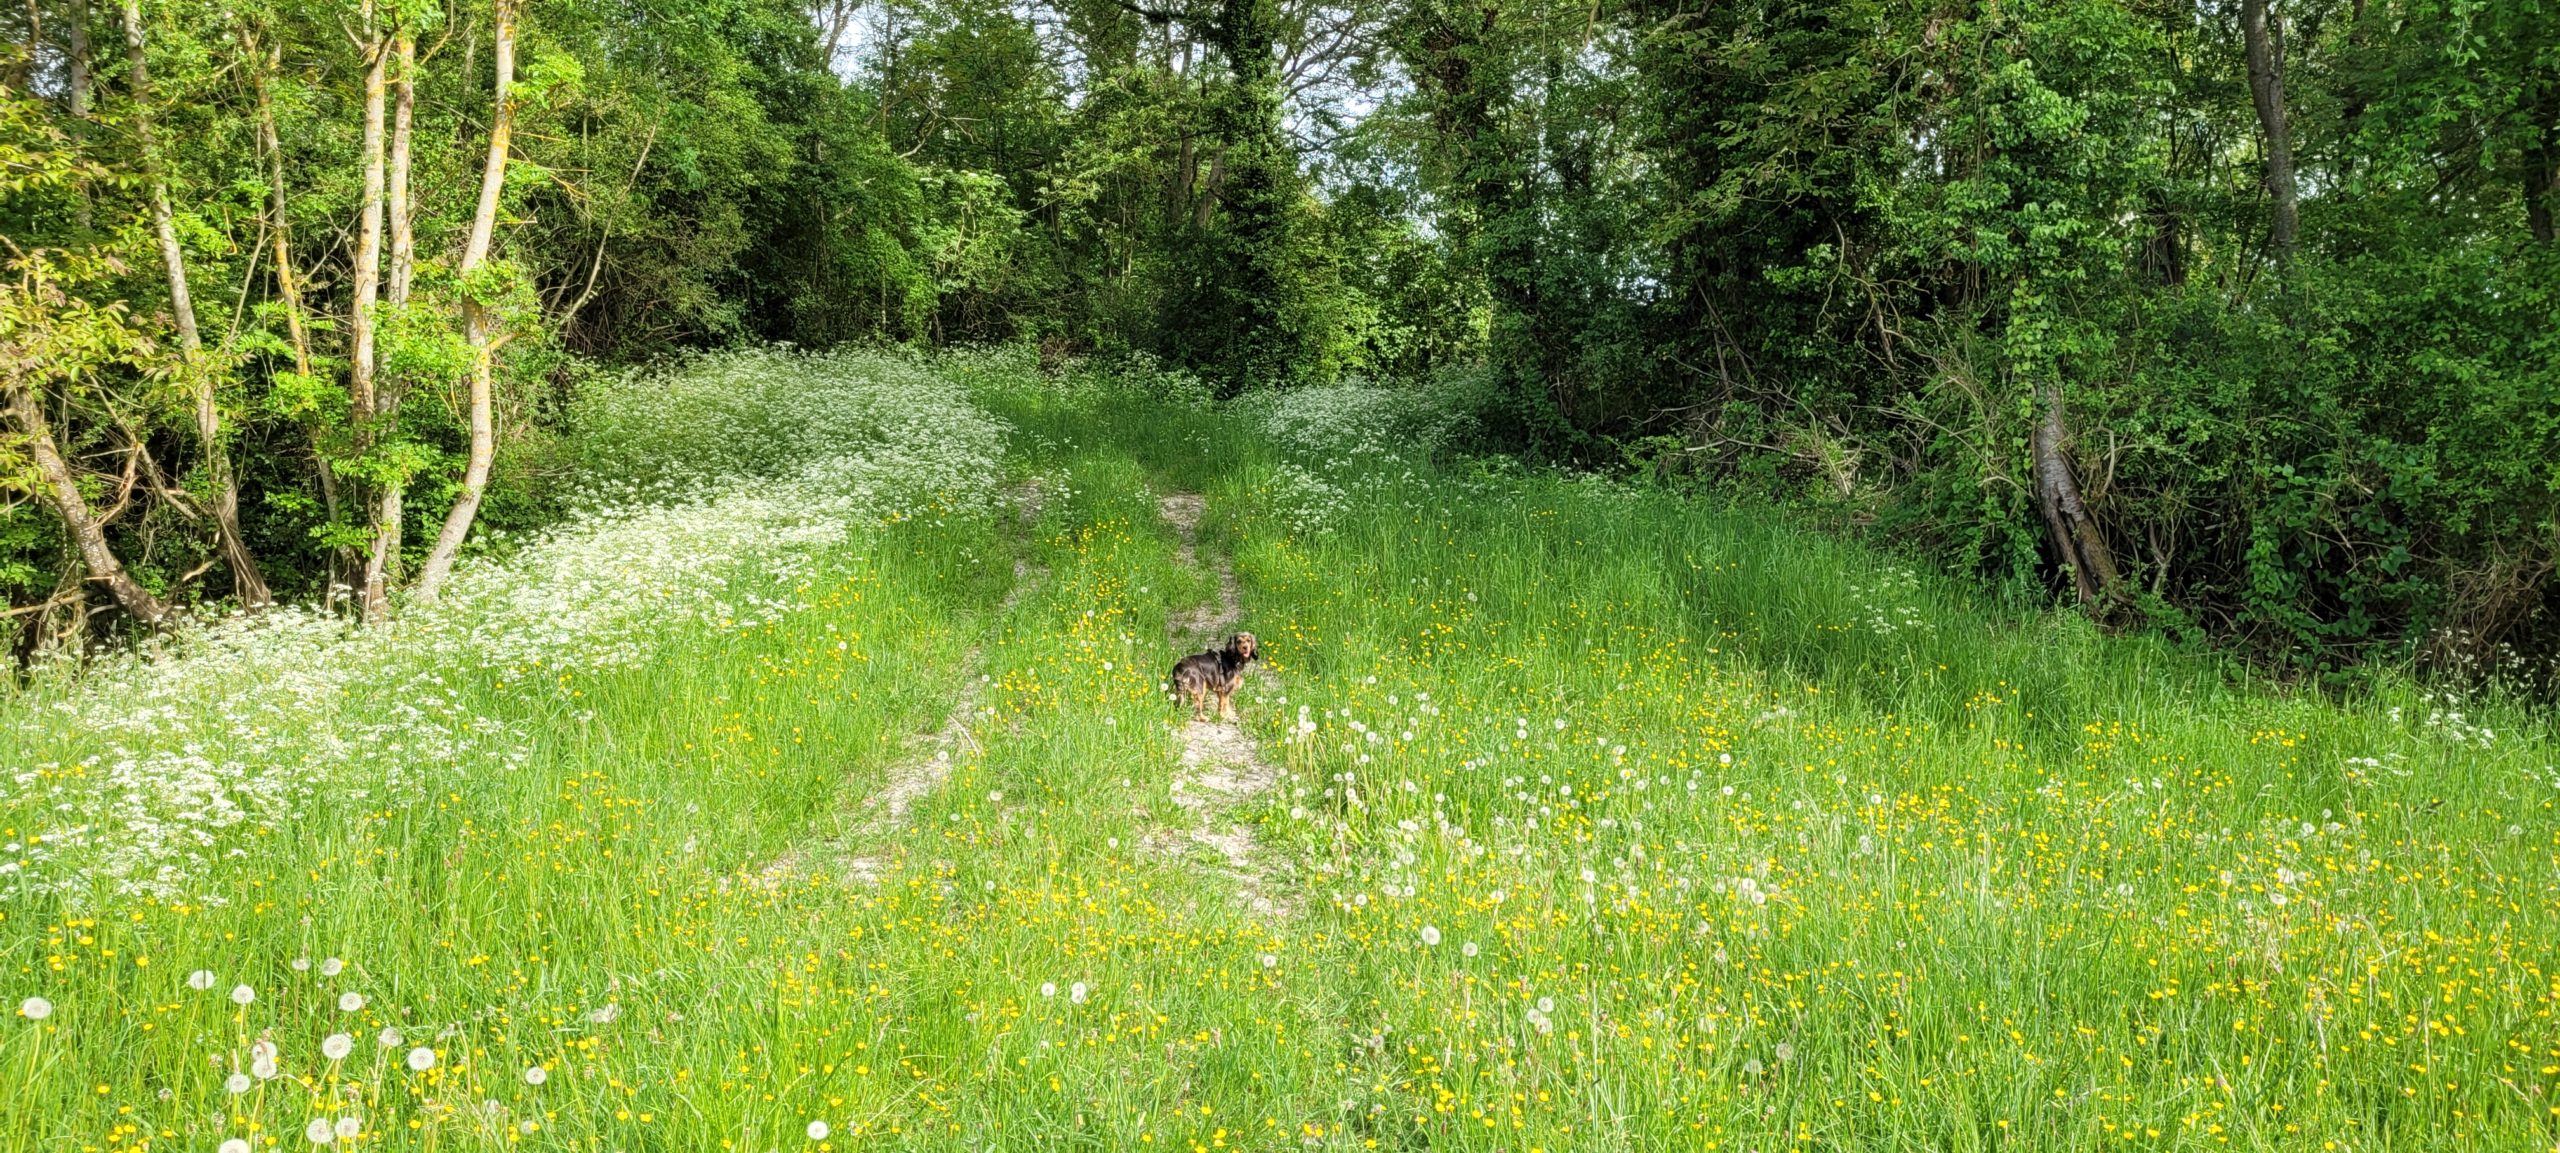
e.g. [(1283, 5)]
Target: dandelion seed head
[(242, 994), (818, 1130), (421, 1059), (350, 1002), (536, 1075), (320, 1131), (35, 1008), (336, 1046), (200, 980)]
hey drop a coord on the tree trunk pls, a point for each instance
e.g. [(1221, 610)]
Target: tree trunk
[(2077, 541), (62, 490), (246, 581), (81, 82), (2265, 43), (368, 253), (288, 282), (382, 557), (479, 322)]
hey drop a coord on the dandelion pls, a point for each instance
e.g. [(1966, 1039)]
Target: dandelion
[(1546, 1004), (1270, 959), (349, 1127), (1430, 935), (332, 967), (200, 980), (302, 964), (536, 1075), (1468, 949), (234, 1145), (818, 1130), (421, 1059), (1785, 1052), (242, 994), (337, 1046), (1048, 988), (237, 1084), (350, 1002), (35, 1008), (1753, 1068), (389, 1037), (320, 1131), (265, 1067), (1076, 992)]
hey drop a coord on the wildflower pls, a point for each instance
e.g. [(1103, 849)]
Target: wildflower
[(337, 1046), (818, 1130), (234, 1145), (389, 1037), (200, 980), (1076, 992), (35, 1008), (302, 964), (242, 994), (1546, 1004), (350, 1002), (1785, 1052), (422, 1059), (1048, 988), (237, 1083), (320, 1131), (1753, 1068), (1270, 959), (1468, 949), (350, 1126), (332, 967), (1430, 935), (536, 1075)]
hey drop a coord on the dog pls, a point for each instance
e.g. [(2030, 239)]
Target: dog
[(1214, 673)]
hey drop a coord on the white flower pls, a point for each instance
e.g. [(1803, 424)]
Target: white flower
[(1076, 992), (536, 1074), (1468, 949), (1048, 988), (818, 1130), (336, 1046), (1270, 959), (350, 1002), (422, 1059), (350, 1126), (302, 964), (242, 994), (234, 1145), (389, 1037), (265, 1068), (1546, 1004), (35, 1008), (200, 979), (237, 1083), (320, 1131), (332, 967), (1430, 935)]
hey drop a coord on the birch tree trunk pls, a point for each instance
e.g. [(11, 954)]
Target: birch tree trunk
[(2264, 40), (368, 254), (479, 322), (247, 582), (62, 490), (382, 558)]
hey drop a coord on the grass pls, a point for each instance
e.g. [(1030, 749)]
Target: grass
[(1609, 821)]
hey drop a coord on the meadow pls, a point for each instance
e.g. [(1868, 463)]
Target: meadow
[(1579, 816)]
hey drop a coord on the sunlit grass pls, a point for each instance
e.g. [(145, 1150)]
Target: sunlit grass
[(1609, 821)]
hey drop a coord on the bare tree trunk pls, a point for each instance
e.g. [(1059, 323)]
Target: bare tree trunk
[(368, 254), (382, 557), (2077, 540), (479, 322), (62, 490), (247, 582), (2265, 42)]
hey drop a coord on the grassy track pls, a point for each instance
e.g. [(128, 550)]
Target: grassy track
[(1608, 822)]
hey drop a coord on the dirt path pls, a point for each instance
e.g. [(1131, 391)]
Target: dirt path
[(851, 849), (1222, 767)]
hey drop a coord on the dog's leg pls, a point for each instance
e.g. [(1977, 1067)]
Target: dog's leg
[(1226, 704)]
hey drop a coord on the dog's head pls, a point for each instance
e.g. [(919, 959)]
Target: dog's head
[(1243, 645)]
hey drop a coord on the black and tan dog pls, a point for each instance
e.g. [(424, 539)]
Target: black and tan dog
[(1215, 673)]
